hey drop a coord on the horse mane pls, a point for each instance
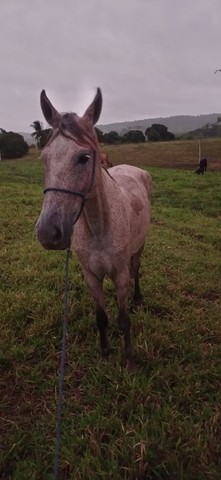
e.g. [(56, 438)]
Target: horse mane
[(77, 129)]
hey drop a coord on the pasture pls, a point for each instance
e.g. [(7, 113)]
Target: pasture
[(163, 422), (178, 154)]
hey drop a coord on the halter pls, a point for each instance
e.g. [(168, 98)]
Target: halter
[(73, 192)]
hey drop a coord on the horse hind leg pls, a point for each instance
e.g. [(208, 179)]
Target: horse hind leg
[(134, 270), (102, 325), (96, 287), (122, 282)]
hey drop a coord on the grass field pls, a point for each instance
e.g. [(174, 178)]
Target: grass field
[(178, 154), (164, 422)]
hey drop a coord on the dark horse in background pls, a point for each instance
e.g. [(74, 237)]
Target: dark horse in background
[(202, 166)]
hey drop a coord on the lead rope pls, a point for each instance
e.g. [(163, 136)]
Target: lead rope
[(62, 371)]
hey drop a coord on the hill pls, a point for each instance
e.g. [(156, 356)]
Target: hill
[(177, 124), (209, 130)]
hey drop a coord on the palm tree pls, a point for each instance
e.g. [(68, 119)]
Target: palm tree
[(37, 134)]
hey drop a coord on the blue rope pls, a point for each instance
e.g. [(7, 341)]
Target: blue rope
[(62, 371)]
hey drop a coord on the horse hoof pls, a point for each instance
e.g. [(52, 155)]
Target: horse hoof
[(105, 352), (138, 300), (138, 304), (130, 361), (131, 366)]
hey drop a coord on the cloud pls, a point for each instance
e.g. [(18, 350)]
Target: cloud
[(151, 58)]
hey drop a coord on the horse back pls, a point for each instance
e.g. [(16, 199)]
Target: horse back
[(132, 179)]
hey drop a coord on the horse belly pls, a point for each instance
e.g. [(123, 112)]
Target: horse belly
[(140, 218), (139, 228)]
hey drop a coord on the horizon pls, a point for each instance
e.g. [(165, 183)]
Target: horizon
[(130, 121)]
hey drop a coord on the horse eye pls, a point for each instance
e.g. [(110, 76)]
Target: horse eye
[(83, 158)]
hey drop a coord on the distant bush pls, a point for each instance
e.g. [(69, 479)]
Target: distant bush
[(111, 137), (152, 135), (159, 133), (12, 145), (133, 136)]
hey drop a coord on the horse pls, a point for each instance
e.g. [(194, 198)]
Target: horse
[(202, 166), (105, 161), (103, 217)]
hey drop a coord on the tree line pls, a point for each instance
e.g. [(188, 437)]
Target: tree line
[(155, 133), (13, 145)]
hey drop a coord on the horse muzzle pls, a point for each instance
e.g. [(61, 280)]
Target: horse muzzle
[(52, 234)]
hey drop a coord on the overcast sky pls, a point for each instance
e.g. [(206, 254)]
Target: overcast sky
[(150, 57)]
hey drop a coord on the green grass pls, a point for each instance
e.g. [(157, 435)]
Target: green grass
[(164, 422)]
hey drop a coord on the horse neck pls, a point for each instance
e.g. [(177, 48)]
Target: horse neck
[(97, 207)]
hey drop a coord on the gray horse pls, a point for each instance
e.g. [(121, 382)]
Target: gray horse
[(103, 216)]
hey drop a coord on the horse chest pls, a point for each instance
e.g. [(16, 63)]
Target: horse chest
[(97, 261), (100, 257)]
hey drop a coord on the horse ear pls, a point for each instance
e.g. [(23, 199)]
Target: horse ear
[(51, 115), (94, 110)]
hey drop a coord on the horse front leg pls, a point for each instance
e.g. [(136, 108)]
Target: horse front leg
[(122, 282), (96, 287)]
